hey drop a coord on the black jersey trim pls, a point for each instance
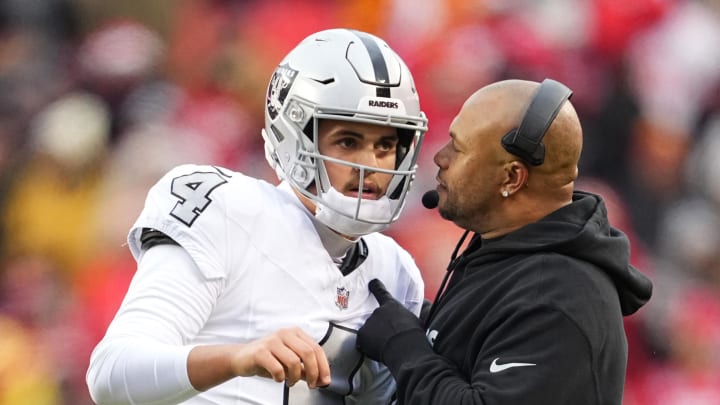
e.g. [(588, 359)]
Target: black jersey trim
[(152, 237)]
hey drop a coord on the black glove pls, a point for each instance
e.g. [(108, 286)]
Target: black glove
[(389, 320)]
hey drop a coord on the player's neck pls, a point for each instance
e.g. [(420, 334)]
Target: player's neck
[(336, 245)]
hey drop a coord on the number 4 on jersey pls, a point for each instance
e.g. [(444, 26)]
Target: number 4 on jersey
[(193, 191)]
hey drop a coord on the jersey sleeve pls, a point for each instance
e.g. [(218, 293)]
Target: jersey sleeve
[(142, 359), (190, 205)]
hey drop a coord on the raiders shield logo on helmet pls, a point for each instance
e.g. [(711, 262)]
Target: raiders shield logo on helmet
[(280, 85)]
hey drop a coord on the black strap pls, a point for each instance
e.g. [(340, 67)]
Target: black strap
[(430, 312)]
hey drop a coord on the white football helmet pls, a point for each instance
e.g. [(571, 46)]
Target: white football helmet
[(349, 75)]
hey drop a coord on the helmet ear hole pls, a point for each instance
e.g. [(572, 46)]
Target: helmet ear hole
[(300, 174)]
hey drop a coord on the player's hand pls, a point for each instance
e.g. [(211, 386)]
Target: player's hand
[(287, 355), (387, 321)]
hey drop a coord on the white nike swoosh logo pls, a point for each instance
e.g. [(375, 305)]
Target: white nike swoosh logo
[(495, 368)]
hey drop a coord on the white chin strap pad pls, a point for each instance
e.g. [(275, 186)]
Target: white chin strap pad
[(337, 211)]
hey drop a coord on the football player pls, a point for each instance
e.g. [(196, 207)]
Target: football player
[(251, 293)]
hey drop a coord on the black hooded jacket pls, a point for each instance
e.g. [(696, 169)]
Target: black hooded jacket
[(533, 317)]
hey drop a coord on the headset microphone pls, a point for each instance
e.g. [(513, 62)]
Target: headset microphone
[(430, 199)]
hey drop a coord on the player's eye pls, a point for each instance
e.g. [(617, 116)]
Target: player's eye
[(347, 142), (388, 144)]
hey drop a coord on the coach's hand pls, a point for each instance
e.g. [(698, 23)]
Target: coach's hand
[(389, 320)]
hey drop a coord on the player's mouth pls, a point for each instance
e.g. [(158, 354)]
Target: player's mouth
[(369, 191)]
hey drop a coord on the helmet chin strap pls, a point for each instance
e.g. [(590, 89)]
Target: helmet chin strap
[(342, 214)]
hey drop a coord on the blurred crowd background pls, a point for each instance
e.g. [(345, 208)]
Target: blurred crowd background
[(99, 98)]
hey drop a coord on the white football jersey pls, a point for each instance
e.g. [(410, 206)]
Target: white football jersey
[(259, 241)]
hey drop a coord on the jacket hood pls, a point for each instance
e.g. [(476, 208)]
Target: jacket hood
[(581, 230)]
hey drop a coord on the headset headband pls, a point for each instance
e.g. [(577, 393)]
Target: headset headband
[(526, 140)]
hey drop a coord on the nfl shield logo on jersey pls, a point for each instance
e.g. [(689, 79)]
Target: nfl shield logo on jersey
[(343, 295)]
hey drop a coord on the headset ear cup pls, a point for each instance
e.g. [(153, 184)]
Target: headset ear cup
[(508, 140), (525, 141), (531, 153)]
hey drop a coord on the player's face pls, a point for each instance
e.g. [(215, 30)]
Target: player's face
[(359, 143)]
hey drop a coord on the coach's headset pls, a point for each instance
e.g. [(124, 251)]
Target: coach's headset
[(525, 142)]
